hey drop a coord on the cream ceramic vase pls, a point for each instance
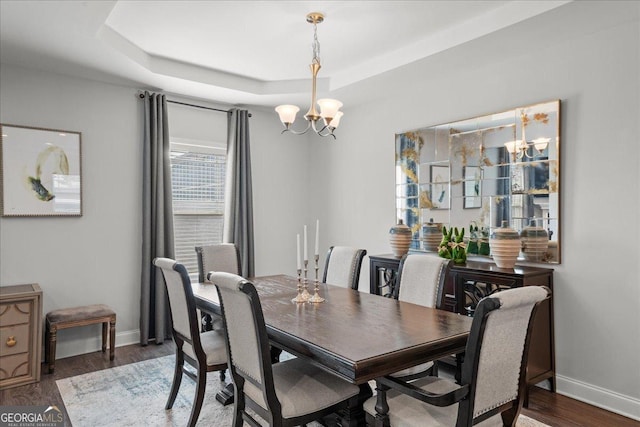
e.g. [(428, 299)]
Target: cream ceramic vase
[(505, 246), (400, 239), (431, 235), (535, 242)]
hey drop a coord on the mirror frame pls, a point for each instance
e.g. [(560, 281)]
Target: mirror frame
[(482, 171)]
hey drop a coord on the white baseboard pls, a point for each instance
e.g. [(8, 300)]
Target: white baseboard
[(600, 397), (73, 347)]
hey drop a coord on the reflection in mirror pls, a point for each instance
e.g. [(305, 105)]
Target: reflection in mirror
[(483, 171)]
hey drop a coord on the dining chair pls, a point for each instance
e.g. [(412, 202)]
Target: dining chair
[(205, 351), (288, 393), (420, 281), (220, 257), (343, 266), (493, 382)]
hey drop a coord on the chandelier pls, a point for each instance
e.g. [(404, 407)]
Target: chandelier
[(329, 108), (519, 148)]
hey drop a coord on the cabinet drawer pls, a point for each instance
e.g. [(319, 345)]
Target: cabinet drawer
[(14, 366), (15, 313), (17, 333)]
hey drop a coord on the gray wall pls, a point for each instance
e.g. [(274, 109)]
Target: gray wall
[(588, 59)]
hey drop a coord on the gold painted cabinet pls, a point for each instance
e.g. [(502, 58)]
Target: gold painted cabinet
[(20, 334)]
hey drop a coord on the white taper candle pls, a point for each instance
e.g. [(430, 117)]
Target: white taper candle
[(317, 236), (298, 265), (306, 257)]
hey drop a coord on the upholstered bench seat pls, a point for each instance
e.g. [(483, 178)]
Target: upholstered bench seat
[(79, 316)]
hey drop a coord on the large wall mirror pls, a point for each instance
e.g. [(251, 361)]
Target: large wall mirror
[(481, 172)]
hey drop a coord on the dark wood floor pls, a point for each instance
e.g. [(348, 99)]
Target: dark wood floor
[(550, 408)]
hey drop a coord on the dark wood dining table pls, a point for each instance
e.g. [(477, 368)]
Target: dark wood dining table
[(355, 335)]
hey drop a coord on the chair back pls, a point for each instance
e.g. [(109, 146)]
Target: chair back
[(420, 279), (222, 257), (181, 303), (496, 353), (247, 340), (343, 266)]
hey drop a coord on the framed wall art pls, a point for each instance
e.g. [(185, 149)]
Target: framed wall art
[(471, 189), (40, 172), (440, 187)]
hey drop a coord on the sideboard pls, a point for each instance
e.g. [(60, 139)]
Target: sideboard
[(20, 334), (466, 284)]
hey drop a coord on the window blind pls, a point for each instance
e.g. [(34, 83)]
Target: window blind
[(197, 183)]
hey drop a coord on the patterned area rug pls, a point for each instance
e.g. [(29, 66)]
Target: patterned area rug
[(135, 395)]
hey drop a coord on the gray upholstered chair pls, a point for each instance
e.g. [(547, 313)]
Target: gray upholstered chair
[(292, 392), (420, 281), (493, 380), (343, 266), (222, 257), (204, 351)]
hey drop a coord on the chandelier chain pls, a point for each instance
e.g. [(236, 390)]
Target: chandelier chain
[(316, 45)]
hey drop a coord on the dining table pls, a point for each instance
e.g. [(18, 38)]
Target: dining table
[(355, 335)]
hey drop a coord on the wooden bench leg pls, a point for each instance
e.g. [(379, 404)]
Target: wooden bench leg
[(112, 338), (50, 353), (104, 336)]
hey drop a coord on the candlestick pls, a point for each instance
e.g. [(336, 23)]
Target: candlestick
[(300, 297), (305, 293), (298, 265), (306, 257), (316, 298), (317, 236)]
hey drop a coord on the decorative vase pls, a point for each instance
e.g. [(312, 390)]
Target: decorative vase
[(505, 246), (431, 235), (400, 239), (535, 242), (472, 246)]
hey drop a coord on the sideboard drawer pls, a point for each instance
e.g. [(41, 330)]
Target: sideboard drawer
[(14, 339), (14, 367), (14, 314)]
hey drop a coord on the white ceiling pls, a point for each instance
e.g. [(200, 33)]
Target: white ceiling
[(242, 52)]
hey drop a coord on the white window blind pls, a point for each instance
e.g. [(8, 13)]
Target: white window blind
[(197, 182)]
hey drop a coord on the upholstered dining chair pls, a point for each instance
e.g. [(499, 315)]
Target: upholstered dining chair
[(221, 257), (493, 382), (420, 281), (343, 266), (289, 393), (204, 351)]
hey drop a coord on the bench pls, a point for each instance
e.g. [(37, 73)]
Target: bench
[(79, 316)]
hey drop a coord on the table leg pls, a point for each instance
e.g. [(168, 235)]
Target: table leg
[(355, 415)]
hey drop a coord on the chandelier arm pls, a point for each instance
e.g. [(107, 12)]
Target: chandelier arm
[(295, 132)]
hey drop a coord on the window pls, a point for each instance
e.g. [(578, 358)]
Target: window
[(197, 182)]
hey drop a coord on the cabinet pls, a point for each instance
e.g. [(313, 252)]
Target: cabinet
[(20, 334), (466, 284)]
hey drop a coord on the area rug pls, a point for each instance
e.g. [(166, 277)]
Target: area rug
[(135, 395)]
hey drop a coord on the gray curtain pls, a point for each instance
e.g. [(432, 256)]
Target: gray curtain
[(238, 206), (157, 220)]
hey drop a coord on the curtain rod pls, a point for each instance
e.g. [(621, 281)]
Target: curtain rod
[(141, 95)]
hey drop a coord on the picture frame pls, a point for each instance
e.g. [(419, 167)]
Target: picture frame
[(40, 172), (439, 178), (471, 190)]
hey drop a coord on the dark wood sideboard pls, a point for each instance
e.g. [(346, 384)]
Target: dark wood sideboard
[(466, 284)]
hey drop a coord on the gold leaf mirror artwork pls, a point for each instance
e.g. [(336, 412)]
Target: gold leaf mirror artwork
[(482, 171)]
